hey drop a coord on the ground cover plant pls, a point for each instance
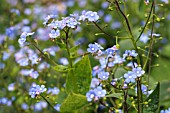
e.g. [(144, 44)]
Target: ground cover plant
[(84, 56)]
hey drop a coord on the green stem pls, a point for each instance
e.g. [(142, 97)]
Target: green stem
[(42, 53), (48, 102), (125, 107), (147, 21), (101, 29), (68, 49), (151, 43), (139, 96)]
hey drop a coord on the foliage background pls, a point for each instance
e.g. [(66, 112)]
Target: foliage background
[(110, 20)]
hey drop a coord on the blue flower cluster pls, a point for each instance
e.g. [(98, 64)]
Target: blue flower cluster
[(165, 111), (5, 101), (71, 21), (95, 93), (130, 76), (35, 90)]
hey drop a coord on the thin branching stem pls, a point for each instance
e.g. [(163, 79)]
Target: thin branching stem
[(147, 21), (101, 29), (151, 43)]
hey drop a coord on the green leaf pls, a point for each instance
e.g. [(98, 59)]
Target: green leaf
[(73, 51), (79, 78), (165, 94), (73, 102), (61, 45), (165, 50), (163, 72), (60, 68), (61, 97), (116, 95), (153, 101)]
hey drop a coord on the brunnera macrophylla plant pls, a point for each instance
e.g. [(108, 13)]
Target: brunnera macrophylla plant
[(102, 87)]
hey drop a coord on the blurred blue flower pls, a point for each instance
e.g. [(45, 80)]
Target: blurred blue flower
[(36, 90), (57, 107), (40, 105), (105, 5), (2, 65), (63, 61), (23, 36), (11, 87), (107, 18), (144, 38), (54, 33), (91, 16), (48, 18), (165, 111), (94, 82), (11, 32), (24, 106), (71, 22), (53, 91)]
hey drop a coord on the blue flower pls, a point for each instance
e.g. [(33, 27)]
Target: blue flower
[(90, 95), (138, 71), (165, 111), (11, 87), (118, 60), (40, 105), (95, 82), (57, 107), (125, 85), (23, 62), (23, 36), (34, 74), (92, 16), (99, 92), (71, 22), (24, 106), (131, 53), (130, 77), (53, 91), (144, 38), (93, 48), (111, 51), (144, 90), (54, 33), (103, 75), (113, 82), (82, 16), (36, 90), (103, 62), (48, 18), (132, 64)]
